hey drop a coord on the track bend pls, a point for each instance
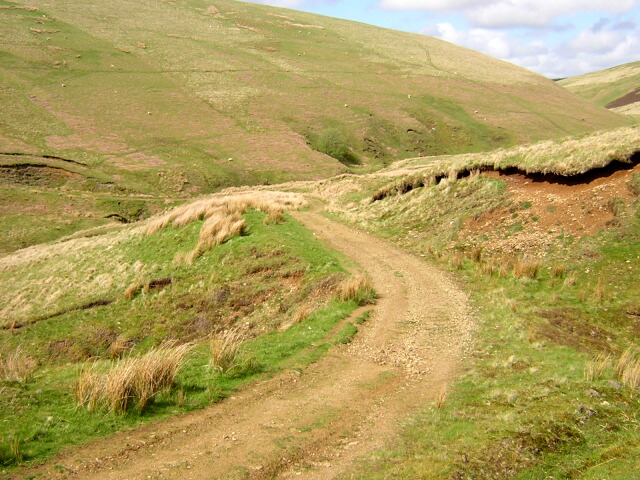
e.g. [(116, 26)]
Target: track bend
[(313, 424)]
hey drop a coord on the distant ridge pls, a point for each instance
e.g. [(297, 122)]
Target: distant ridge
[(616, 88)]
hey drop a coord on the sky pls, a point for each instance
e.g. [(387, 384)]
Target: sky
[(556, 38)]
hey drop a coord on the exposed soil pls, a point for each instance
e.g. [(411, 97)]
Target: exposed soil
[(312, 423), (628, 99), (543, 210)]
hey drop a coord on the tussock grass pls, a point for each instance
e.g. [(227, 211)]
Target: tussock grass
[(217, 229), (526, 268), (17, 366), (225, 350), (358, 289), (230, 203), (567, 157), (596, 366), (600, 291), (222, 216), (559, 270), (628, 368), (131, 383)]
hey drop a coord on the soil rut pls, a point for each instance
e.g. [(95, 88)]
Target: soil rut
[(318, 422)]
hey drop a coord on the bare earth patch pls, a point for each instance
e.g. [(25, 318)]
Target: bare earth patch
[(317, 421), (548, 210)]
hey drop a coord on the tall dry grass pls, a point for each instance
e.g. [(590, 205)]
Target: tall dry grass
[(131, 383), (217, 229), (526, 268), (17, 366), (596, 366), (569, 156), (628, 369), (225, 349), (270, 203), (222, 216), (357, 288)]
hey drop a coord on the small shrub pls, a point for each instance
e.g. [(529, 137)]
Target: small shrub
[(332, 142), (17, 366), (358, 289)]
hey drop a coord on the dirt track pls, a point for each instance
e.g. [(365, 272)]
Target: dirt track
[(319, 421)]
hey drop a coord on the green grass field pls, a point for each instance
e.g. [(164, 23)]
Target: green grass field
[(94, 299)]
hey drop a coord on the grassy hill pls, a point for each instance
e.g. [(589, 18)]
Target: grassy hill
[(615, 88), (188, 97), (549, 251), (544, 237)]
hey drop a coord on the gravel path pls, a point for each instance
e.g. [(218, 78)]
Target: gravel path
[(312, 424)]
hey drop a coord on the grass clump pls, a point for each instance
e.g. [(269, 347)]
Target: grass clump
[(357, 289), (131, 383), (526, 268), (628, 369), (17, 366), (225, 349), (10, 451)]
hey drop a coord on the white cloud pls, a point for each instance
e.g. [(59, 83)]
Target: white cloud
[(594, 48), (540, 13), (512, 13), (430, 4), (280, 3)]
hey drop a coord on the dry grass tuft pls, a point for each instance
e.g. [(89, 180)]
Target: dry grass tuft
[(358, 289), (119, 347), (225, 349), (476, 254), (526, 268), (216, 230), (628, 369), (132, 382), (595, 367), (441, 399), (17, 366), (571, 280), (559, 270), (134, 288), (489, 268), (600, 292), (222, 215), (268, 202)]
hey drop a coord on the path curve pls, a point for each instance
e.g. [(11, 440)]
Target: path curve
[(317, 422)]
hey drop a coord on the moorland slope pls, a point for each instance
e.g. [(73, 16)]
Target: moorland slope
[(188, 97), (616, 88)]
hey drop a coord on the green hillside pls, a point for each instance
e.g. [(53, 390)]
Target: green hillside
[(187, 97), (616, 88)]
